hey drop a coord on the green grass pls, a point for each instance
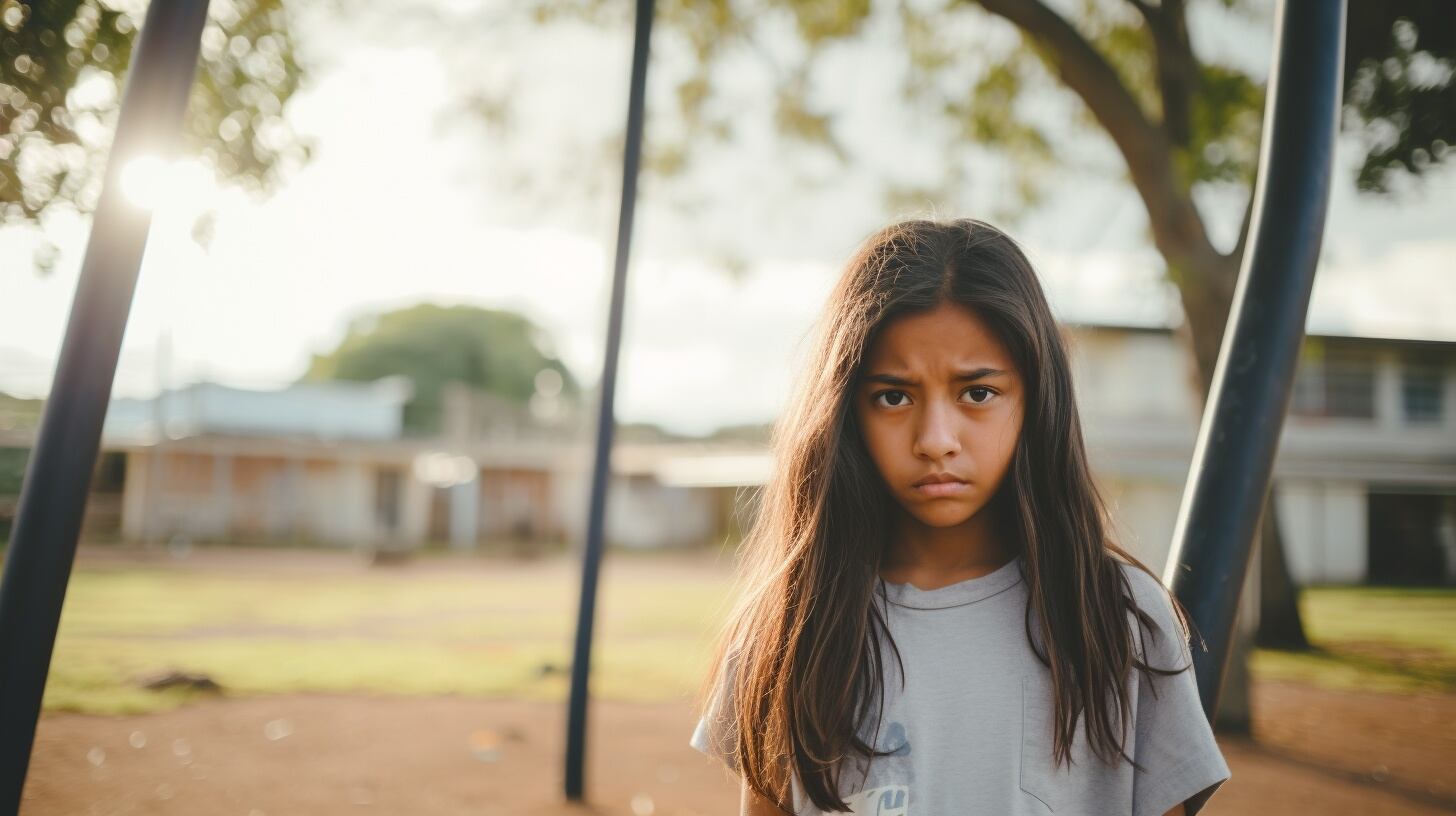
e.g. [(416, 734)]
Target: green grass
[(1372, 639), (479, 634), (490, 632)]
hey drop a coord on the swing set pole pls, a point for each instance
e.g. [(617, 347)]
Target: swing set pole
[(53, 495), (601, 472), (1213, 541)]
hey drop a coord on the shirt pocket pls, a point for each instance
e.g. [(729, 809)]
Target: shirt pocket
[(1039, 775)]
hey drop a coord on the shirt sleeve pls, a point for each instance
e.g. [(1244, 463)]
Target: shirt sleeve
[(716, 734), (1174, 743)]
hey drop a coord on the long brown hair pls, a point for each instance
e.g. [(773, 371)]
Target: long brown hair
[(801, 647)]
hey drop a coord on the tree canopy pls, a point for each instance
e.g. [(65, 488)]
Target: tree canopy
[(1181, 118), (1181, 113), (62, 69), (1132, 63), (496, 351)]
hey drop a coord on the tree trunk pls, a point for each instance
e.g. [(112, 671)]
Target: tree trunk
[(1205, 277), (1234, 715), (1280, 624)]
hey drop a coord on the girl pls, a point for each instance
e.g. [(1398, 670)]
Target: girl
[(931, 501)]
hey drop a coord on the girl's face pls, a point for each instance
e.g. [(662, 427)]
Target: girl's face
[(940, 396)]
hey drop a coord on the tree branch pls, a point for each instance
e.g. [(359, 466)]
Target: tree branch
[(1178, 230), (1177, 68), (1148, 12)]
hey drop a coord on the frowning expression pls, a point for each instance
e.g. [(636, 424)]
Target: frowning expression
[(939, 404)]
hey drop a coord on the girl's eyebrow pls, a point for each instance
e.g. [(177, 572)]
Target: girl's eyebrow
[(976, 374)]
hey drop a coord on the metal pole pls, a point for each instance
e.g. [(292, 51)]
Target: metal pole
[(53, 496), (591, 560), (1239, 434)]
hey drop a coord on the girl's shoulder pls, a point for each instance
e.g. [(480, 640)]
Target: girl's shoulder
[(1145, 586), (1177, 755), (1148, 591), (1153, 599)]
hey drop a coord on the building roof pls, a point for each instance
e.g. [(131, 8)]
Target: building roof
[(322, 410)]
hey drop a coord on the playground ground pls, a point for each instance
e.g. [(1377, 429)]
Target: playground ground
[(435, 688)]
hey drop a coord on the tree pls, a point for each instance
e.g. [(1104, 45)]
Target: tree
[(497, 351), (62, 70), (1182, 123)]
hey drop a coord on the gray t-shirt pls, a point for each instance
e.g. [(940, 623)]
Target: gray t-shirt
[(971, 728)]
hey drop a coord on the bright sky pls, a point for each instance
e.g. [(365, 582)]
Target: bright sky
[(400, 207)]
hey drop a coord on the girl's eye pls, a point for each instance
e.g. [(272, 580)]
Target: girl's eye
[(900, 397), (980, 388), (900, 394)]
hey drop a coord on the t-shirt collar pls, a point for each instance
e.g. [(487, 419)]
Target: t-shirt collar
[(958, 594)]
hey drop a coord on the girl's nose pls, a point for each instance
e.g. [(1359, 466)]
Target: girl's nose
[(936, 437)]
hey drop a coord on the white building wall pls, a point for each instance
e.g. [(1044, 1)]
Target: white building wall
[(414, 514), (1345, 548), (641, 513), (465, 514), (355, 509), (1318, 519), (1136, 402), (570, 492), (1145, 512), (1112, 372), (1302, 521), (1324, 525), (324, 497), (134, 497)]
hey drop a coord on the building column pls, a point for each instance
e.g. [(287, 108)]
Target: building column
[(1389, 413), (135, 501), (222, 494), (465, 513), (1448, 398), (414, 514), (294, 479)]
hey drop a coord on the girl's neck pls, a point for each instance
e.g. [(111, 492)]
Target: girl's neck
[(931, 557)]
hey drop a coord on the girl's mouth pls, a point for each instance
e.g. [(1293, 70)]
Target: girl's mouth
[(939, 489)]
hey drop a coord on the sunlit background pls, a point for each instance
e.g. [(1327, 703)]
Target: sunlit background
[(343, 482)]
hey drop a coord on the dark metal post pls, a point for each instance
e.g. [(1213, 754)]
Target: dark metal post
[(53, 497), (591, 559), (1239, 435)]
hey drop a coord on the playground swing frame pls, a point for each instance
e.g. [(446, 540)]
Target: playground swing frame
[(1223, 497)]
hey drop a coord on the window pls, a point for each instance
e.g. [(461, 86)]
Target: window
[(1420, 392), (1338, 383), (1349, 386), (1308, 398)]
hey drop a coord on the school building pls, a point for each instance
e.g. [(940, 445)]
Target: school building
[(1365, 478), (1365, 475)]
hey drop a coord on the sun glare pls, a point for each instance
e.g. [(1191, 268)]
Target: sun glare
[(156, 184)]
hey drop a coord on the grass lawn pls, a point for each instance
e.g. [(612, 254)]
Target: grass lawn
[(484, 632), (1372, 639), (507, 631)]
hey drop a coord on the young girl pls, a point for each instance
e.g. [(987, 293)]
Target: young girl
[(931, 502)]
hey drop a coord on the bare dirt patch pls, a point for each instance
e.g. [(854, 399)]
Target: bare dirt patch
[(348, 754), (1396, 741)]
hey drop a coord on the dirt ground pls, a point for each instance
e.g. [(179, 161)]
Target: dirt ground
[(1323, 752), (1314, 750)]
